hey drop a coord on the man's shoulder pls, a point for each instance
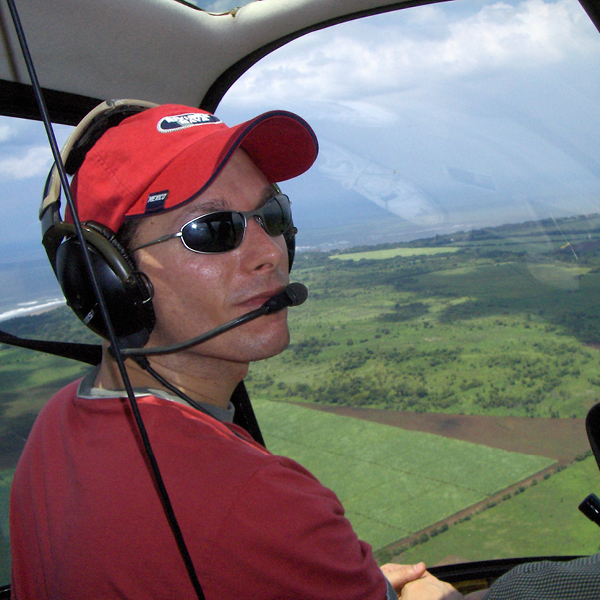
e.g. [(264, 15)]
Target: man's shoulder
[(68, 391), (64, 396)]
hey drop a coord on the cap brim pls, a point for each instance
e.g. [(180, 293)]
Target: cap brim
[(281, 144)]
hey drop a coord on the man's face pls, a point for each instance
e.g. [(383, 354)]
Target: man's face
[(197, 292)]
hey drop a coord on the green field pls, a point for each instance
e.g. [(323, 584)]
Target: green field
[(503, 326), (391, 482), (543, 520), (36, 372), (393, 252), (5, 481)]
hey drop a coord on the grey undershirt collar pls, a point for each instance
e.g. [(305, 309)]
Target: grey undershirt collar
[(87, 391)]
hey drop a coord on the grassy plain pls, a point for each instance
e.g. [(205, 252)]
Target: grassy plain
[(5, 482), (506, 325), (543, 520), (28, 380), (389, 479)]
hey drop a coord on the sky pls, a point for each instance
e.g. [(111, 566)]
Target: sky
[(448, 116), (25, 160), (411, 48), (431, 119)]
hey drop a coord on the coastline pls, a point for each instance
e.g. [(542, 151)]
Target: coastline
[(25, 309)]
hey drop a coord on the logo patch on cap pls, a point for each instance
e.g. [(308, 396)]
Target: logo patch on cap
[(178, 122), (156, 201)]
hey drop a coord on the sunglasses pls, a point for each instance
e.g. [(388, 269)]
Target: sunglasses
[(223, 231)]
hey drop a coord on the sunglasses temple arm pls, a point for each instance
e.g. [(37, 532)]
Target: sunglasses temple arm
[(160, 240)]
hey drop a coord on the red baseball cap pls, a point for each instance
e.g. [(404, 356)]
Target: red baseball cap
[(164, 157)]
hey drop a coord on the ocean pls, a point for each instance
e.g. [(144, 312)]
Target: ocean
[(27, 283)]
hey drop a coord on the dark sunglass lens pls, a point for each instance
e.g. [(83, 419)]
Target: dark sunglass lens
[(216, 232), (277, 215)]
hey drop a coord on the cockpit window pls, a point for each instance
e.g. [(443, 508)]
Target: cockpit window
[(449, 235), (440, 373)]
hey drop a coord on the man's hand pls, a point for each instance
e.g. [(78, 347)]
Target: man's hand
[(429, 587), (400, 575)]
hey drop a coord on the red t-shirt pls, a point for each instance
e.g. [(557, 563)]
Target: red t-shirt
[(86, 521)]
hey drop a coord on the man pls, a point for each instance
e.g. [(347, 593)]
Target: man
[(196, 204)]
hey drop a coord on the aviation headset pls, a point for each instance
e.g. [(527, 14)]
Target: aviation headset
[(127, 291)]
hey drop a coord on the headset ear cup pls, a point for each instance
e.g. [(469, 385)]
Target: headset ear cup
[(125, 291)]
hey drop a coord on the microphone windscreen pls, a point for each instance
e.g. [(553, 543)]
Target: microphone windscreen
[(297, 292), (293, 295)]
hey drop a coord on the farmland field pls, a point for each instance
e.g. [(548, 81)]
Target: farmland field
[(534, 522), (392, 482), (560, 439), (505, 326), (393, 252)]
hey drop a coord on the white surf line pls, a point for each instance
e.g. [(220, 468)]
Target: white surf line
[(29, 308)]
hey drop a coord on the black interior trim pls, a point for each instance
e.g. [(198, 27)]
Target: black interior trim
[(488, 570), (592, 8), (592, 427), (86, 353), (18, 100)]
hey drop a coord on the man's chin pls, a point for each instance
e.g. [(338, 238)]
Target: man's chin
[(246, 347), (273, 352), (268, 346)]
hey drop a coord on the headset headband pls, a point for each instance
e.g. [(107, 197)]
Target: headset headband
[(127, 291), (89, 130)]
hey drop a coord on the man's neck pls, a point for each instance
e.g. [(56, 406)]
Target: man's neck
[(203, 379)]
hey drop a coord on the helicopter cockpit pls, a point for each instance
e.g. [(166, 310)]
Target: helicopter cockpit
[(441, 371)]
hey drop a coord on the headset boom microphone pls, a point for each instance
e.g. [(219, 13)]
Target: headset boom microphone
[(293, 295)]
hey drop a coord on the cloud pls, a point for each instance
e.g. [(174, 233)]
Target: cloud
[(6, 132), (416, 47), (25, 159), (378, 183), (533, 32), (19, 132), (24, 150), (35, 162), (352, 112)]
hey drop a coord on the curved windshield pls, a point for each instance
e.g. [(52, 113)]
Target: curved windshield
[(449, 233), (441, 370)]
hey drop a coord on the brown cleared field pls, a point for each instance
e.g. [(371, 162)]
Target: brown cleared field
[(561, 439)]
